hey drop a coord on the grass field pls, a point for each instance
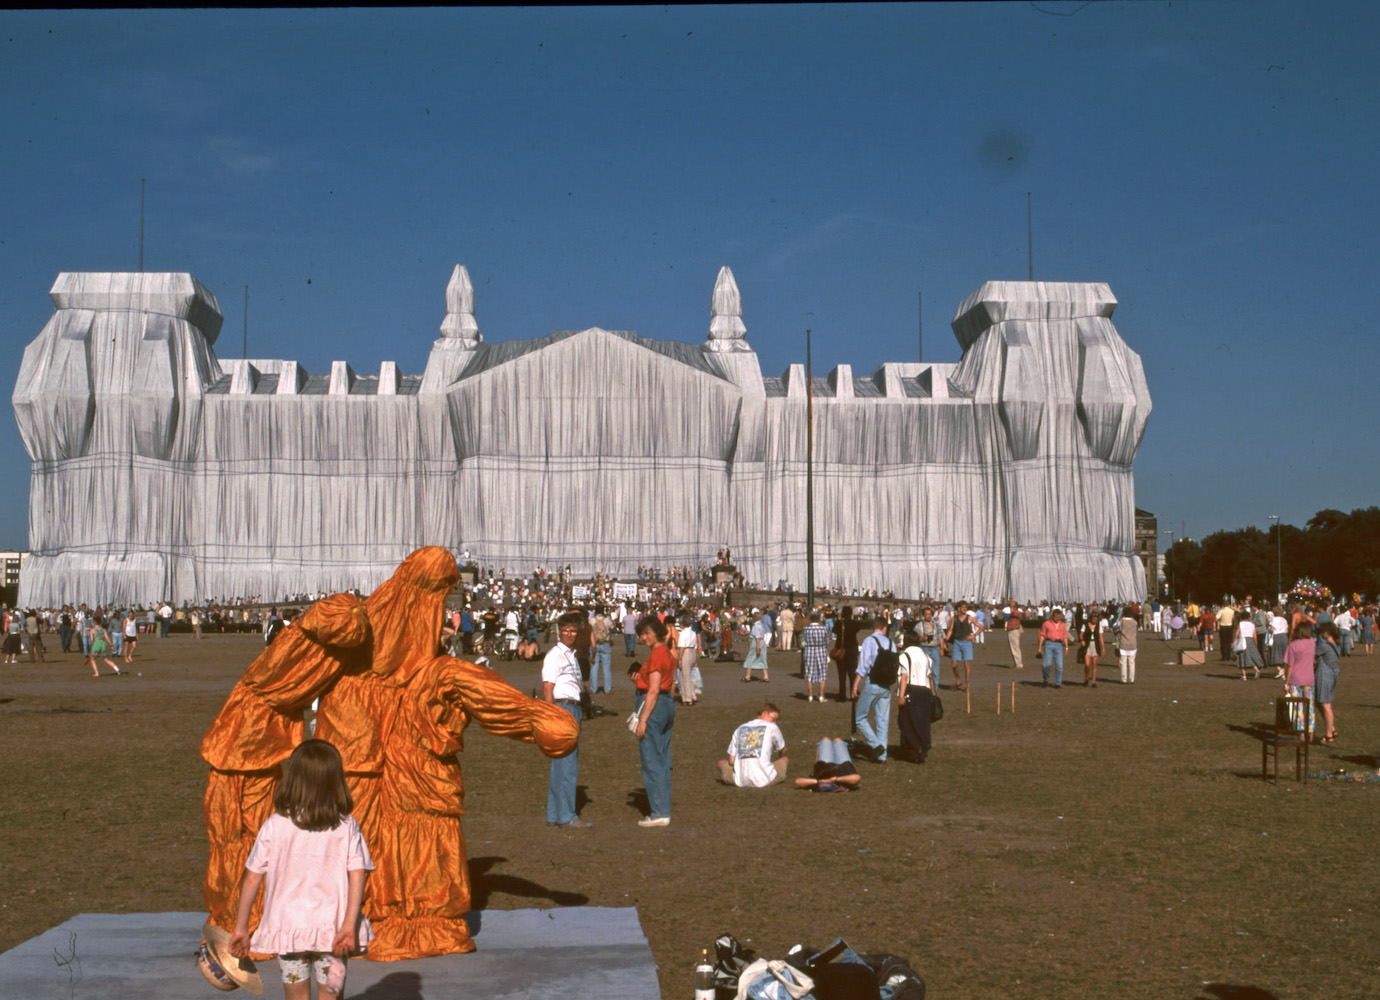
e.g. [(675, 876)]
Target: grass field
[(1108, 842)]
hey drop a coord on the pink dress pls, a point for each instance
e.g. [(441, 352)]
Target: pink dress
[(306, 884)]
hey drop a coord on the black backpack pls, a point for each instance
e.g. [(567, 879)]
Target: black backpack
[(885, 667)]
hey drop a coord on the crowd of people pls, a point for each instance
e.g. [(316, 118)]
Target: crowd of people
[(887, 652)]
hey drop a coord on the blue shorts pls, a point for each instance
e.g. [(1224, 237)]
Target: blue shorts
[(962, 650)]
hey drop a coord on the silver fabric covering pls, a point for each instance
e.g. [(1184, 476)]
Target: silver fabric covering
[(159, 472)]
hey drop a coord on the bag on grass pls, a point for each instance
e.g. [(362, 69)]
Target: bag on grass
[(936, 708), (730, 958)]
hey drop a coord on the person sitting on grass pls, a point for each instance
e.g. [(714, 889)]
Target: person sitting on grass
[(749, 763), (833, 770)]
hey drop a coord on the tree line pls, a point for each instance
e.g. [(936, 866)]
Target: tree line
[(1340, 551)]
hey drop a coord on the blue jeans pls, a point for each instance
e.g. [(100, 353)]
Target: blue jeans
[(117, 641), (962, 650), (603, 654), (873, 701), (163, 624), (629, 644), (1054, 656), (655, 750), (832, 752), (565, 771)]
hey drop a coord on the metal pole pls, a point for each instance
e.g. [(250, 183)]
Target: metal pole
[(1169, 552), (920, 332), (141, 225), (1279, 559), (245, 353), (809, 476)]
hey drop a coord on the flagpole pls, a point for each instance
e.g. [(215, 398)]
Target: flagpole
[(809, 477)]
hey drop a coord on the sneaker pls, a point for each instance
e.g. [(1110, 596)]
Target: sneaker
[(654, 821)]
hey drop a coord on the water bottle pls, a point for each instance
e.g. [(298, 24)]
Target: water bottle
[(704, 977)]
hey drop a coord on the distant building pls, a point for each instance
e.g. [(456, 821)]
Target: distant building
[(11, 563), (1147, 551), (161, 472)]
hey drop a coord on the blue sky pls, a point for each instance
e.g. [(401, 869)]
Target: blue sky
[(1215, 163)]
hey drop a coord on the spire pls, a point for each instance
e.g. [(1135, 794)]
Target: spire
[(726, 329), (459, 322)]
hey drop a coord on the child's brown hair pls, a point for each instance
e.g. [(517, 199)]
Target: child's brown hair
[(312, 792)]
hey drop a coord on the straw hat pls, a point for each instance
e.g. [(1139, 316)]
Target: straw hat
[(222, 970)]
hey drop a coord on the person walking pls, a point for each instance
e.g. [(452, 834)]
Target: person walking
[(1054, 643), (872, 694), (1127, 634), (758, 640), (1013, 633)]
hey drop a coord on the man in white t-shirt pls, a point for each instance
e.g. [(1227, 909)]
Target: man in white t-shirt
[(560, 685), (749, 763)]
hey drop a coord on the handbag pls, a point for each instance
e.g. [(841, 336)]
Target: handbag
[(1239, 646), (633, 720), (936, 708), (836, 654)]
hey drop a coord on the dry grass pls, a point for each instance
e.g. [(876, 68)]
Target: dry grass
[(1115, 842)]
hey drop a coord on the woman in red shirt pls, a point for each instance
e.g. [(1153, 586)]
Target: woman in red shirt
[(656, 714)]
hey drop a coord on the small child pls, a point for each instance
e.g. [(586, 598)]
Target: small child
[(314, 860)]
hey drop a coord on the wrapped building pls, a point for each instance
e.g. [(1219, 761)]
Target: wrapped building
[(161, 472)]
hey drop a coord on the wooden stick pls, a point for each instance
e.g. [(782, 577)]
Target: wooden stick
[(968, 697), (1013, 696), (999, 697)]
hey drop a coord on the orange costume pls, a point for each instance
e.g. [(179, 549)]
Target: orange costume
[(396, 711), (255, 732)]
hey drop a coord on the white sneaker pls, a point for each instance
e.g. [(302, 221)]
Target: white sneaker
[(654, 821)]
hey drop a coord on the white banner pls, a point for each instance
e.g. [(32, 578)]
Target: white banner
[(623, 591), (579, 592)]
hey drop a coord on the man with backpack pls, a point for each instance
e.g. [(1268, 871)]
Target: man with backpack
[(876, 673)]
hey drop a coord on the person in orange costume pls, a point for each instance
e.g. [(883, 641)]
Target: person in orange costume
[(420, 889), (258, 727), (404, 615), (397, 718)]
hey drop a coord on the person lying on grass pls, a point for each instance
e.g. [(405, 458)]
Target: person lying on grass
[(833, 770)]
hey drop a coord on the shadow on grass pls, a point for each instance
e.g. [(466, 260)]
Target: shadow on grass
[(484, 882), (1362, 760), (394, 986), (1234, 991), (638, 800)]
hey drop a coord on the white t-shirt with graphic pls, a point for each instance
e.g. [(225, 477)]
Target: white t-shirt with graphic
[(751, 749)]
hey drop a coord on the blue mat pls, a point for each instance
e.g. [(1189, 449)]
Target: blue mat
[(583, 951)]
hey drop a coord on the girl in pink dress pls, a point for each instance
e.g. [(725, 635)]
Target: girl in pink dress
[(312, 861)]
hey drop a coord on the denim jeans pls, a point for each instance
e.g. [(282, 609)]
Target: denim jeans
[(935, 664), (565, 772), (832, 752), (1054, 656), (603, 656), (629, 644), (655, 750), (874, 702)]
